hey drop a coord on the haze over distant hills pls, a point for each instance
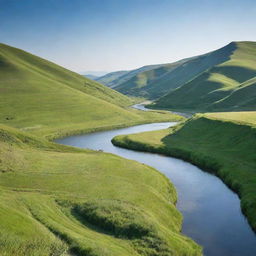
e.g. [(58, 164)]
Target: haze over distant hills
[(223, 79)]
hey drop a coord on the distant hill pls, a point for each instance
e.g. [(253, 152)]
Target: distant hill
[(158, 80), (145, 82), (92, 77), (109, 78), (221, 80), (228, 85), (39, 96), (116, 79)]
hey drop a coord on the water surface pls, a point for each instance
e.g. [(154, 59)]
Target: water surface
[(212, 214), (141, 106)]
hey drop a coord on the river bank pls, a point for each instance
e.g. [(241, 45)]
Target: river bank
[(211, 212), (224, 148)]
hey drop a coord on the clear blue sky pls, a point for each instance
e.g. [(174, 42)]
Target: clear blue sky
[(124, 34)]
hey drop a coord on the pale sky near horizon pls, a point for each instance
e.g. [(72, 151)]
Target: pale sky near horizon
[(109, 35)]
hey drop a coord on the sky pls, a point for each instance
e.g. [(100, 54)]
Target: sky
[(109, 35)]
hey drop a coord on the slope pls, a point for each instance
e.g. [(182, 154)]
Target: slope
[(168, 77), (117, 78), (110, 78), (227, 86), (57, 200), (42, 97), (141, 83), (222, 143)]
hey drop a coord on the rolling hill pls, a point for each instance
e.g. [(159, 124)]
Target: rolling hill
[(63, 201), (225, 86), (116, 79), (221, 80), (59, 200), (44, 98), (158, 80), (223, 143)]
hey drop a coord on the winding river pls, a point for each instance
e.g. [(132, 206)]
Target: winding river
[(212, 214)]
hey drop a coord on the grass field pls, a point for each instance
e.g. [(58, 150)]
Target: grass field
[(57, 200), (222, 143)]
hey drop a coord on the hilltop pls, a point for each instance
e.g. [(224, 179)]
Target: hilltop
[(46, 99)]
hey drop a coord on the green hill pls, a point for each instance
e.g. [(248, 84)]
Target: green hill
[(62, 201), (143, 83), (46, 99), (161, 79), (58, 200), (226, 147), (116, 79), (226, 86)]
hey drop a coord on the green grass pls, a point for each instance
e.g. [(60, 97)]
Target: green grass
[(59, 200), (164, 78), (43, 98), (56, 199), (225, 145), (141, 83), (228, 85)]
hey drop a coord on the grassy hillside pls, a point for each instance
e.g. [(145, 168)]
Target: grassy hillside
[(222, 143), (114, 79), (46, 99), (227, 86), (59, 200), (159, 81), (141, 83)]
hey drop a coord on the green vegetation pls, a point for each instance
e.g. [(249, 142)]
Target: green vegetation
[(141, 83), (222, 143), (114, 79), (161, 79), (48, 100), (228, 85), (57, 199), (221, 80), (110, 78)]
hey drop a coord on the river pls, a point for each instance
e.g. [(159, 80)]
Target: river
[(211, 211)]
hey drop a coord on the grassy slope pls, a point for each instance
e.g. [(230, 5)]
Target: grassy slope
[(140, 83), (230, 85), (56, 198), (46, 99), (222, 143), (160, 81)]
